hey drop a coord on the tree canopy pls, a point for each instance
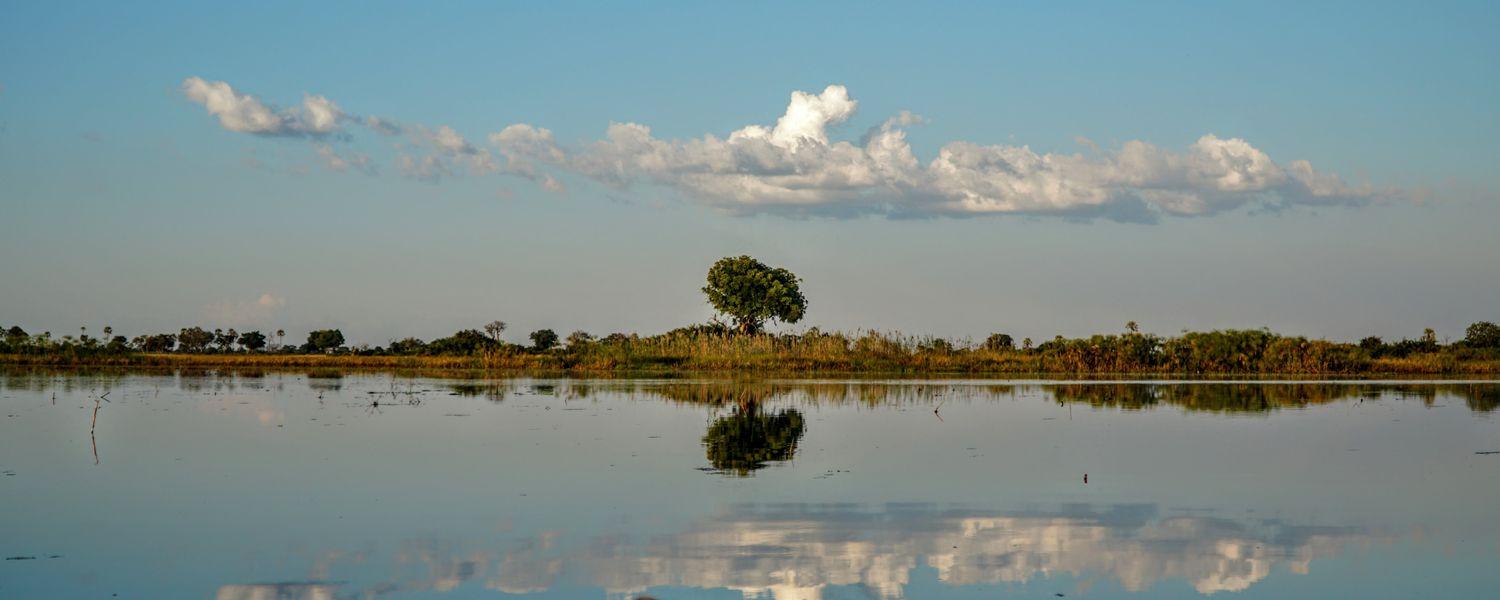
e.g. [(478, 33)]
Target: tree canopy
[(1483, 334), (543, 339), (323, 340), (751, 293)]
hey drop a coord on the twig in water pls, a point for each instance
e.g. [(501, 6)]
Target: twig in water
[(92, 423)]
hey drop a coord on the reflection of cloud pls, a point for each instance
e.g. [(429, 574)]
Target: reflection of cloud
[(445, 571), (795, 551), (528, 569), (277, 591)]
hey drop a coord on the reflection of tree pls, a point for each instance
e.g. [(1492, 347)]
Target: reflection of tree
[(1481, 397), (749, 438), (494, 392)]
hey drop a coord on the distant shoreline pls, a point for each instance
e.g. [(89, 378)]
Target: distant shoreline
[(1019, 364)]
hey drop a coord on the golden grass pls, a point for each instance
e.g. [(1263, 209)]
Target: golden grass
[(861, 353)]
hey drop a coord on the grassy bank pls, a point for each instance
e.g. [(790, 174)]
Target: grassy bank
[(1242, 352)]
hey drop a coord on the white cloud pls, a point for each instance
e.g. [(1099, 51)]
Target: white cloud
[(383, 126), (317, 116), (795, 167), (334, 161), (553, 185), (448, 148), (426, 168)]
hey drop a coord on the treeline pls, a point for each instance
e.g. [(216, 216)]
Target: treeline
[(718, 347)]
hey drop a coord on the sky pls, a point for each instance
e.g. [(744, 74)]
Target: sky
[(410, 169)]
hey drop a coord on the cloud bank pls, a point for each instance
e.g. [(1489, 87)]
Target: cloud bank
[(794, 166)]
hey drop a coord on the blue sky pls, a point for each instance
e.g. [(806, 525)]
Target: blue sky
[(127, 202)]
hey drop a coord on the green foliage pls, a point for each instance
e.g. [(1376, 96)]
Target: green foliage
[(117, 345), (579, 339), (748, 439), (999, 342), (543, 340), (252, 340), (194, 339), (160, 342), (719, 347), (1227, 351), (408, 346), (751, 293), (324, 340), (466, 342), (225, 339), (1483, 334)]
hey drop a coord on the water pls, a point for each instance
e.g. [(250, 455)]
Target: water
[(268, 486)]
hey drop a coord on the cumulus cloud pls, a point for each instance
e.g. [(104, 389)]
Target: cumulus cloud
[(797, 166), (794, 167), (445, 152), (317, 116)]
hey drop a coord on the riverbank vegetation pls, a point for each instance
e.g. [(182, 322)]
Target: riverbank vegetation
[(715, 348), (750, 294)]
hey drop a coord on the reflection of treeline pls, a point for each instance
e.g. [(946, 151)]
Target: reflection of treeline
[(1198, 396), (1264, 397), (754, 393), (717, 348)]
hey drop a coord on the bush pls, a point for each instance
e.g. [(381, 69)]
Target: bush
[(998, 342), (543, 340), (1483, 334)]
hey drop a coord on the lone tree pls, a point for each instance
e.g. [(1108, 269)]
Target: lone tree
[(751, 293)]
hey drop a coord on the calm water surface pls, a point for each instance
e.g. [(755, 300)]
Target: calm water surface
[(270, 486)]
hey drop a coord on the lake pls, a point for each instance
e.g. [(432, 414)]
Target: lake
[(265, 486)]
